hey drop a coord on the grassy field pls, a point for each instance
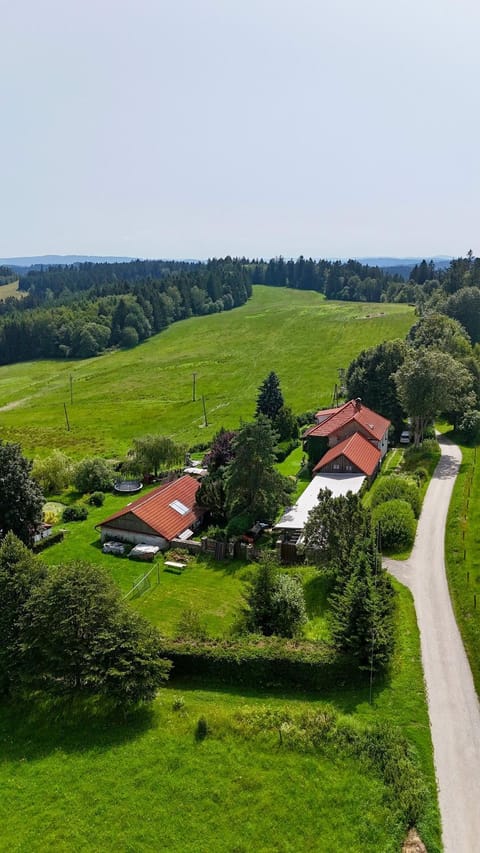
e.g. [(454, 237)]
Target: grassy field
[(463, 556), (145, 785), (121, 395)]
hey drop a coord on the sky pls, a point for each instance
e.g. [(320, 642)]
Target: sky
[(199, 128)]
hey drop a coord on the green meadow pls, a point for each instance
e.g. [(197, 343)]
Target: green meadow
[(122, 395)]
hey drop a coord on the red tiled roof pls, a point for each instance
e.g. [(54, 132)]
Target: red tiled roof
[(357, 449), (375, 425), (156, 511), (324, 413)]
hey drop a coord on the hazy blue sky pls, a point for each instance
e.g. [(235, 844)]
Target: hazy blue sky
[(191, 128)]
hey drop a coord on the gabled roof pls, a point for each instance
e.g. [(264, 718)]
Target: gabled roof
[(357, 449), (168, 510), (352, 412)]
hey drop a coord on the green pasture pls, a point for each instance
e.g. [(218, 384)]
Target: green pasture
[(121, 395), (73, 782), (462, 552), (11, 289)]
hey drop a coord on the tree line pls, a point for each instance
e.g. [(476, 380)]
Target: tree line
[(69, 320)]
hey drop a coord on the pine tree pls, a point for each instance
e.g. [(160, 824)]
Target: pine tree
[(270, 397)]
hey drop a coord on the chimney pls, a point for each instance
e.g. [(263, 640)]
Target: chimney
[(358, 402)]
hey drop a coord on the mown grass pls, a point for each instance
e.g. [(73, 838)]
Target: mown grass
[(462, 555), (121, 395)]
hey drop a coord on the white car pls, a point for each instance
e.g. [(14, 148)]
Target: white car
[(113, 548), (405, 437)]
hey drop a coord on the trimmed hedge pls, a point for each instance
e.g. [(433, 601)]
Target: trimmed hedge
[(58, 536), (257, 661), (75, 513)]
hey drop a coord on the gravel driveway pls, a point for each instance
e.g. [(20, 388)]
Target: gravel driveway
[(452, 701)]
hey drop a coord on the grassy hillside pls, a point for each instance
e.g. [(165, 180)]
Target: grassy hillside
[(11, 289), (120, 395)]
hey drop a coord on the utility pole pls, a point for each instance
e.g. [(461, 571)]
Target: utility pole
[(66, 417), (204, 411), (194, 390)]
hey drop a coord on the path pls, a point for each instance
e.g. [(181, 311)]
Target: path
[(452, 701)]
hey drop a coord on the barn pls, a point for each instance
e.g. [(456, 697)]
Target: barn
[(168, 512)]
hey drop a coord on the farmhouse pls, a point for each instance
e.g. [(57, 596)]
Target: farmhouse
[(353, 455), (168, 512), (335, 425)]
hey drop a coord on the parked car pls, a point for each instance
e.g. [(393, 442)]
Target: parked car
[(113, 548), (405, 437)]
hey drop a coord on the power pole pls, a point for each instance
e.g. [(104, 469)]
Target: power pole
[(204, 411), (194, 378), (66, 417)]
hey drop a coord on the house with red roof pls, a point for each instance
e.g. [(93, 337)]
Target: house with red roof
[(334, 426), (166, 513), (353, 455)]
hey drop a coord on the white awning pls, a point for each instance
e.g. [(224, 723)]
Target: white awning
[(294, 517)]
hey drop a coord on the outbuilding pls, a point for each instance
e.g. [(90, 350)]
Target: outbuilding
[(168, 512)]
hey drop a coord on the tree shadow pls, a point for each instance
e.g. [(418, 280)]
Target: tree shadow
[(34, 729)]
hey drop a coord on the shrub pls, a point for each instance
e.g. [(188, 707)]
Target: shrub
[(48, 541), (239, 524), (397, 524), (190, 625), (96, 499), (201, 731), (75, 513), (53, 473), (469, 427), (420, 475), (129, 337), (394, 487), (93, 475), (178, 703)]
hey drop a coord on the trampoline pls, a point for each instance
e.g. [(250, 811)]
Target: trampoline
[(127, 487)]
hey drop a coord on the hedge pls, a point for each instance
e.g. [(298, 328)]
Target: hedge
[(49, 540), (258, 661), (394, 487)]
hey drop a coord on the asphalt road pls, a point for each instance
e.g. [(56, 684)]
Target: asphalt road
[(452, 701)]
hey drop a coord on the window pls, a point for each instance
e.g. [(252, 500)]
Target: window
[(179, 507), (336, 466)]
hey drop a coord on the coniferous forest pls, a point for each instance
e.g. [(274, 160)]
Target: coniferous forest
[(81, 310)]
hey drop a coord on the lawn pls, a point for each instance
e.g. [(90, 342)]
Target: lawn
[(121, 395), (88, 784), (462, 553)]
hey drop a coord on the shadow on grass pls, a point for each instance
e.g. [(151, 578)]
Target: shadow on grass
[(345, 698), (316, 590), (35, 728)]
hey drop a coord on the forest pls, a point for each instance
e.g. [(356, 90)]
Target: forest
[(81, 310)]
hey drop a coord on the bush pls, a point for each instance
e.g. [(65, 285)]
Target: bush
[(397, 524), (178, 703), (285, 448), (93, 475), (306, 418), (96, 499), (394, 487), (53, 473), (190, 625), (239, 524), (469, 427), (49, 540), (201, 731), (420, 475), (129, 337), (75, 513)]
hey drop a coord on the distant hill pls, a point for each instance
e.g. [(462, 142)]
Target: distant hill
[(52, 260)]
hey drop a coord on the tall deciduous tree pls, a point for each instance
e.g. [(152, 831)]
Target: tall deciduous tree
[(270, 397), (20, 573), (21, 499), (157, 452), (78, 636), (253, 484), (430, 382), (369, 376)]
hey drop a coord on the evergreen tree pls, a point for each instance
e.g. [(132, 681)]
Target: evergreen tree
[(253, 484), (363, 609), (270, 397)]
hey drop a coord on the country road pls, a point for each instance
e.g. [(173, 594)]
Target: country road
[(452, 701)]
